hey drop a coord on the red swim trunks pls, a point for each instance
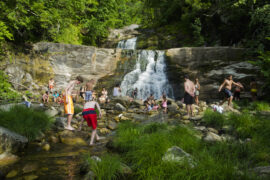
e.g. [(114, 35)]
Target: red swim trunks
[(90, 116)]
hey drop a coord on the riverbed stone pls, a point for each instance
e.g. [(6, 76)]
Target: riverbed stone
[(212, 130), (11, 141), (7, 158), (212, 137), (178, 155), (46, 147), (30, 167), (120, 107), (12, 174)]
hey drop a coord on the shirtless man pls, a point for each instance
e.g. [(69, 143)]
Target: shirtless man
[(90, 115), (189, 95), (89, 90), (227, 84), (68, 102)]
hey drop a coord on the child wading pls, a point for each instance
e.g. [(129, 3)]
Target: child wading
[(90, 115)]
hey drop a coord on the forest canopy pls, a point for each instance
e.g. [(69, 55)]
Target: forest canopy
[(212, 22)]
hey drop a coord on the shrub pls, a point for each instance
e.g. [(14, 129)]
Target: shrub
[(6, 93), (260, 106), (213, 119), (108, 168), (25, 121)]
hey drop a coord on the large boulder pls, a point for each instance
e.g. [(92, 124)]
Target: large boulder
[(178, 155), (11, 141), (120, 107)]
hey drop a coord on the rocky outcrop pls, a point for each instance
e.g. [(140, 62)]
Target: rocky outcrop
[(11, 141), (210, 64)]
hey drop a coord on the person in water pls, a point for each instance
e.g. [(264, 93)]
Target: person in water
[(189, 95), (90, 116), (197, 90), (227, 87), (68, 102), (253, 89)]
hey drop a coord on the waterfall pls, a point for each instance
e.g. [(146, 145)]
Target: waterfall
[(127, 44), (148, 76)]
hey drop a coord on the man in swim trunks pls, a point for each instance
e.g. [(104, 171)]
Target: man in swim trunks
[(68, 102), (227, 84), (89, 90), (90, 115), (189, 95)]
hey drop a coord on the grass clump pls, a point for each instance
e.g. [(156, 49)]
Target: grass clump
[(213, 118), (108, 168), (260, 106), (27, 122)]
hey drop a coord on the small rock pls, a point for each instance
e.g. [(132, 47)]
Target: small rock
[(212, 130), (120, 107), (7, 158), (176, 154), (123, 118), (51, 112), (30, 177), (200, 128), (117, 118), (46, 147), (212, 137), (186, 121), (196, 118), (226, 137), (73, 141), (53, 139), (30, 167), (112, 125), (96, 158), (12, 174), (104, 131), (185, 117)]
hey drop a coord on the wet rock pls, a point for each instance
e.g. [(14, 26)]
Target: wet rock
[(173, 107), (104, 131), (123, 118), (176, 154), (12, 174), (46, 147), (30, 167), (212, 137), (11, 141), (61, 122), (112, 125), (120, 107), (73, 141), (53, 139)]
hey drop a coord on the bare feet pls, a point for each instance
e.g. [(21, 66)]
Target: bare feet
[(70, 128)]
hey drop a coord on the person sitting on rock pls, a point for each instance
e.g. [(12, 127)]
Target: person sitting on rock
[(55, 96), (45, 97), (155, 106), (90, 116), (147, 106)]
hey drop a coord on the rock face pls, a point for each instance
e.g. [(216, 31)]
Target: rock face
[(10, 141), (210, 64)]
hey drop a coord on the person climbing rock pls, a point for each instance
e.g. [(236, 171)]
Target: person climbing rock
[(227, 87), (90, 116), (68, 103), (189, 95)]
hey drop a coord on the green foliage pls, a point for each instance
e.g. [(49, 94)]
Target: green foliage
[(77, 110), (107, 169), (213, 118), (6, 92), (260, 106), (25, 121), (148, 143)]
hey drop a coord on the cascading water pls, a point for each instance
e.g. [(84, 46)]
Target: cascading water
[(127, 44), (148, 76)]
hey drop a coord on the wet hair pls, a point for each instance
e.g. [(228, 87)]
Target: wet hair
[(79, 78), (186, 76)]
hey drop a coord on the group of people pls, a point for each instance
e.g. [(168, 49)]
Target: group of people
[(152, 105)]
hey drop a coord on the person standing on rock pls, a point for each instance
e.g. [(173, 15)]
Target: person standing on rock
[(227, 85), (51, 85), (89, 90), (197, 90), (189, 95), (68, 102), (116, 91), (90, 115)]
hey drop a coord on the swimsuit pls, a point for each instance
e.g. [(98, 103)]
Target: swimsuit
[(164, 104), (88, 95), (227, 93), (90, 116), (188, 99), (69, 108)]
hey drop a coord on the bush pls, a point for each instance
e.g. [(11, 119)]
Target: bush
[(6, 92), (213, 119), (260, 106), (244, 124), (108, 168), (25, 121)]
